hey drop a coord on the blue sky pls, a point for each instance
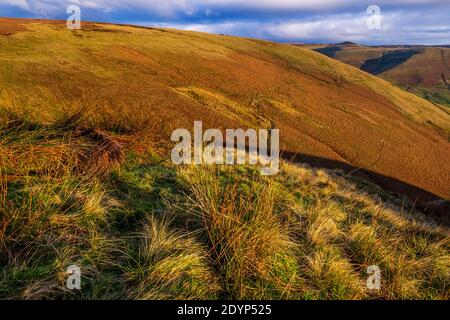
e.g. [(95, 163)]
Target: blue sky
[(310, 21)]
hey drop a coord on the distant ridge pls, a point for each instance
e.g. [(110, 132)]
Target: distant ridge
[(422, 70), (347, 43)]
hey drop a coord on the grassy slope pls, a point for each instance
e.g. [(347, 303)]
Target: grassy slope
[(144, 229), (422, 75), (126, 78), (82, 183)]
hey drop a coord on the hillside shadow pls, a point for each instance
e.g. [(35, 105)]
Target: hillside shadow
[(388, 60), (424, 200), (329, 51)]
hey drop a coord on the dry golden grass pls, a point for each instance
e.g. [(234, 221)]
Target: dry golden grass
[(85, 180), (219, 232), (170, 266), (246, 237)]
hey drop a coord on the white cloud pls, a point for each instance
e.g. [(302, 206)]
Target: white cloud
[(22, 4), (403, 21), (397, 27)]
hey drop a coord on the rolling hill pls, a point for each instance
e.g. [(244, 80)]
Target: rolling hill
[(127, 78), (85, 175), (422, 70)]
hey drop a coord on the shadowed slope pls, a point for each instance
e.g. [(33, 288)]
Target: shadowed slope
[(388, 61)]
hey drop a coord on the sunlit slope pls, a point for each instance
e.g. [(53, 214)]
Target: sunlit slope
[(126, 79)]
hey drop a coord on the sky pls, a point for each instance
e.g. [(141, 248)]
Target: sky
[(299, 21)]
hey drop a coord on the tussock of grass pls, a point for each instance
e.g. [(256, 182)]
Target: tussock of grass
[(332, 276), (169, 265), (243, 230)]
